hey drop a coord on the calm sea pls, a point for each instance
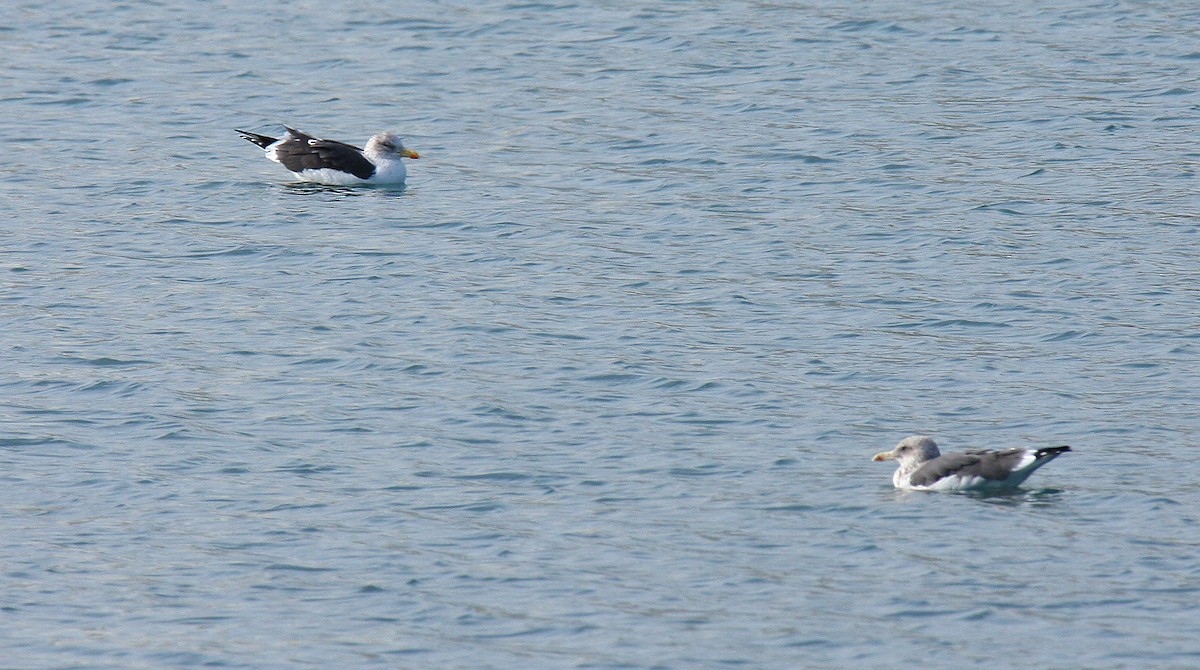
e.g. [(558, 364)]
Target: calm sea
[(599, 389)]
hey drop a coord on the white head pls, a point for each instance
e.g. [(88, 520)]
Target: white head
[(388, 145), (911, 452)]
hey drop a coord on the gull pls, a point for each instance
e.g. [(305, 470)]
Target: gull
[(924, 468), (337, 163)]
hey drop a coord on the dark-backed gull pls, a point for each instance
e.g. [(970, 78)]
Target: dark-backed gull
[(924, 468), (337, 163)]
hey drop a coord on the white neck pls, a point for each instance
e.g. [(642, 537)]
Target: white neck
[(390, 170)]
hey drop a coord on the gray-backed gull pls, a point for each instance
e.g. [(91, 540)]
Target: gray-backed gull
[(924, 468), (337, 163)]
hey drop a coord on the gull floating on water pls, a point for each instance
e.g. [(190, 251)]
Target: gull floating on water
[(924, 468), (337, 163)]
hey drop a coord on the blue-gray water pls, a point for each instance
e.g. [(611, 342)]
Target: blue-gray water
[(599, 389)]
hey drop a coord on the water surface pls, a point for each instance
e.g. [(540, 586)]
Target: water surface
[(600, 387)]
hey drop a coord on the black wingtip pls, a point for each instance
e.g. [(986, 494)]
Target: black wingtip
[(261, 140), (1047, 452)]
